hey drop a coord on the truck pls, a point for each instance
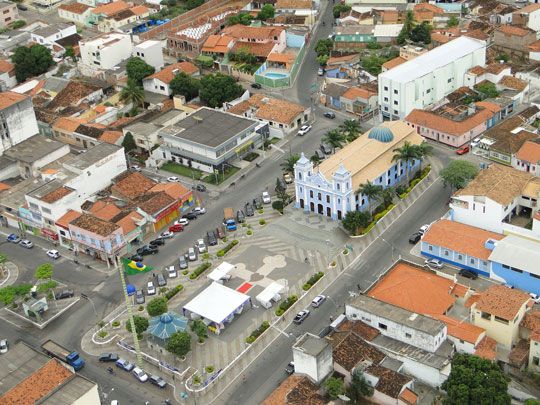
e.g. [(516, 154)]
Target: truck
[(228, 219), (70, 357)]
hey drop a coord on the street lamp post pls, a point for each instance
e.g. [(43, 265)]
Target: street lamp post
[(86, 297), (391, 247)]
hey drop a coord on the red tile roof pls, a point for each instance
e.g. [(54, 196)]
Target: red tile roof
[(133, 185), (513, 83), (408, 396), (111, 8), (353, 350), (108, 212), (461, 329), (519, 354), (94, 224), (279, 396), (56, 195), (514, 30), (8, 98), (174, 190), (502, 301), (531, 320), (486, 348), (68, 124), (342, 59), (153, 203), (392, 63), (390, 382), (474, 299), (165, 75), (264, 32), (363, 330), (259, 49), (128, 222), (69, 216), (6, 67), (529, 152), (110, 136), (354, 92), (217, 44), (75, 8)]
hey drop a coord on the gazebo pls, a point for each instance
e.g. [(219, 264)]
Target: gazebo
[(163, 326)]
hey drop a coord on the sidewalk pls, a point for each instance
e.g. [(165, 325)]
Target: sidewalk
[(10, 276)]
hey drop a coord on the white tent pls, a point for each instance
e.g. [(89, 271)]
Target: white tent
[(221, 272), (218, 304), (269, 294)]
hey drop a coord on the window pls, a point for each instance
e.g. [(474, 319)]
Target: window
[(337, 185), (395, 91), (446, 253), (430, 248), (504, 266), (396, 112), (428, 91), (536, 361), (486, 315), (310, 193), (383, 326), (328, 199), (460, 257), (300, 189), (386, 99), (34, 206), (535, 275), (408, 335), (300, 176), (516, 270), (395, 102), (501, 320), (449, 80), (45, 210), (471, 260), (385, 88), (385, 108), (319, 196)]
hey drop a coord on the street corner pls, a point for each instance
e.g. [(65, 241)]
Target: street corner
[(9, 273)]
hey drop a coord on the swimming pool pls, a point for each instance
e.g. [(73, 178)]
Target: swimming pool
[(275, 75)]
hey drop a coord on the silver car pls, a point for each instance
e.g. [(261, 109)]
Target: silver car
[(182, 263), (139, 297), (192, 256)]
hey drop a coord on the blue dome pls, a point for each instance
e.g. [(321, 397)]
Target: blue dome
[(165, 318), (382, 134)]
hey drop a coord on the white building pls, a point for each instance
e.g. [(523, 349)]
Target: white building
[(105, 51), (17, 119), (313, 357), (159, 81), (75, 12), (429, 77), (151, 52), (53, 33)]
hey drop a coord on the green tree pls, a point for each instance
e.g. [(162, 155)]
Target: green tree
[(199, 328), (240, 18), (315, 159), (452, 22), (132, 93), (322, 59), (409, 23), (43, 272), (31, 61), (402, 37), (288, 164), (179, 343), (421, 33), (324, 47), (129, 143), (70, 52), (371, 191), (49, 285), (281, 192), (334, 139), (22, 289), (340, 8), (488, 90), (504, 57), (424, 150), (185, 85), (532, 401), (458, 173), (474, 380), (141, 324), (354, 220), (405, 154), (137, 69), (191, 4), (350, 129), (7, 295), (387, 195), (373, 64), (267, 11), (219, 88), (157, 306), (18, 24), (334, 386), (359, 387)]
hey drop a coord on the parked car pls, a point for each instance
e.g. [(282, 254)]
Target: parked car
[(26, 243), (108, 357), (150, 288), (300, 316), (157, 242), (147, 250), (156, 380), (173, 179), (326, 149), (317, 301), (124, 364), (135, 168), (141, 375), (266, 197), (287, 178), (201, 187), (290, 368), (200, 245), (182, 221), (240, 216), (423, 229), (434, 263), (320, 72), (199, 210), (304, 130), (212, 241), (4, 346), (64, 294), (330, 115), (191, 215), (54, 254), (192, 256), (256, 85), (171, 271), (475, 142), (182, 263), (166, 235), (176, 228), (257, 203), (13, 238), (161, 281), (281, 183), (468, 274), (249, 210), (139, 297), (414, 238), (21, 7), (136, 258), (535, 298), (220, 233), (319, 154), (462, 150)]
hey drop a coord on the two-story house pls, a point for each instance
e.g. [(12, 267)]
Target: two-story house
[(528, 158), (8, 13), (17, 119), (104, 51), (151, 52), (513, 40), (75, 12), (528, 16), (52, 33), (260, 41), (159, 81)]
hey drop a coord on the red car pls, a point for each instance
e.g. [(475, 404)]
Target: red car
[(176, 228), (464, 149), (220, 233)]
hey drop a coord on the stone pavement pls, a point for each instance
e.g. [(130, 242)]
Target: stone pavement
[(9, 274)]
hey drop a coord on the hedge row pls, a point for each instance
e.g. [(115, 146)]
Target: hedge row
[(257, 332), (311, 282), (172, 292), (199, 270), (377, 218), (285, 305), (224, 251), (417, 178)]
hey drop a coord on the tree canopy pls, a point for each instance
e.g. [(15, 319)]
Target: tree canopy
[(373, 64), (452, 22), (267, 11), (157, 306), (458, 173), (334, 386), (129, 143), (421, 33), (199, 328), (132, 93), (334, 139), (185, 85), (474, 380), (43, 272), (219, 88), (179, 343), (340, 8), (324, 47), (141, 324), (137, 69), (488, 90), (31, 61), (354, 220), (288, 164), (240, 18)]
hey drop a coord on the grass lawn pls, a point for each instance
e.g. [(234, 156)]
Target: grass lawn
[(182, 170), (274, 140), (211, 178)]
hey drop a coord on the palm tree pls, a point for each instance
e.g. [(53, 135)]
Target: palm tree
[(388, 195), (350, 129), (315, 159), (334, 139), (371, 192), (405, 154), (408, 24), (424, 150), (288, 164), (133, 93)]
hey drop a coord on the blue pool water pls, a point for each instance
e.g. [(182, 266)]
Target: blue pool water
[(275, 75)]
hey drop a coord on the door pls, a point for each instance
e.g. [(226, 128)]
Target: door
[(301, 203), (320, 209), (328, 212), (312, 207)]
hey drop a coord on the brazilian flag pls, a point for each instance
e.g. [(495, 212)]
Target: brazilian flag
[(131, 267)]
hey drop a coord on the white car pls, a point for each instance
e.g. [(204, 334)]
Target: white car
[(320, 72), (172, 272), (166, 235), (475, 142), (3, 346), (135, 168), (192, 256), (140, 374), (150, 288), (53, 254), (199, 210), (304, 130), (266, 197), (317, 301), (26, 243), (182, 221), (173, 179), (535, 297), (201, 247), (434, 263), (423, 229)]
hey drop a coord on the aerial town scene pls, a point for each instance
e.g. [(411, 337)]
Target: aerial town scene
[(276, 202)]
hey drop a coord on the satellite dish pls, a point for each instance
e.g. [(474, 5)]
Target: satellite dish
[(344, 398)]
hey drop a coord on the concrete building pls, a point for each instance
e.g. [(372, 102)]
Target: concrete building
[(75, 12), (8, 13), (151, 52), (52, 33), (7, 75), (330, 189), (159, 81), (17, 119), (528, 16), (513, 40), (312, 356), (105, 51), (528, 158), (429, 77)]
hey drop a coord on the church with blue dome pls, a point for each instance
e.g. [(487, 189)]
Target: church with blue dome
[(330, 188)]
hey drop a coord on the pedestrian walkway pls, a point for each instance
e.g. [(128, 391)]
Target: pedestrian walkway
[(9, 275)]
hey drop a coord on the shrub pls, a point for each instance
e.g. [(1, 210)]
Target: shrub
[(101, 324), (260, 211), (379, 216), (279, 312), (102, 334), (333, 263), (402, 195), (346, 252), (249, 233), (116, 323), (171, 293), (141, 308), (209, 369), (220, 253), (366, 230), (225, 239), (234, 242), (244, 225), (205, 256), (278, 205), (262, 222), (415, 182), (224, 251), (199, 270), (185, 272), (196, 380), (257, 332), (285, 305), (306, 287), (202, 339), (400, 189)]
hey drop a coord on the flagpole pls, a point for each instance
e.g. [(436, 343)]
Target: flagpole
[(130, 314)]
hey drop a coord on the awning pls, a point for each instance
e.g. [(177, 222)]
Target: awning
[(244, 147)]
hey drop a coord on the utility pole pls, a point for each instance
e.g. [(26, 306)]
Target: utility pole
[(86, 297)]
